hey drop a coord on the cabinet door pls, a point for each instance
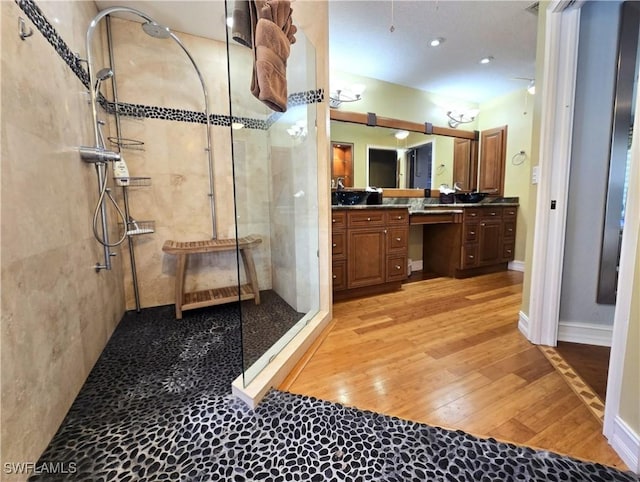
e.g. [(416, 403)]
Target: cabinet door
[(489, 239), (366, 257), (492, 159)]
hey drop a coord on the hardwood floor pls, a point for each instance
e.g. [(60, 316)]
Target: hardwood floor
[(448, 352), (590, 362)]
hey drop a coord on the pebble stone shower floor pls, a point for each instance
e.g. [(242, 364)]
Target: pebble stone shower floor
[(157, 406)]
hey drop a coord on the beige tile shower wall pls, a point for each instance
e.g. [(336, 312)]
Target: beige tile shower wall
[(157, 72), (57, 312)]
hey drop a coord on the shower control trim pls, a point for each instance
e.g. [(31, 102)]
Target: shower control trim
[(98, 154)]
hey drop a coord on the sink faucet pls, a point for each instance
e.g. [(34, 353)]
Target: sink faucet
[(340, 182)]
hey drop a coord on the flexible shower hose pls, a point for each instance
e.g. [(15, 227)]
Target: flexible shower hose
[(103, 191)]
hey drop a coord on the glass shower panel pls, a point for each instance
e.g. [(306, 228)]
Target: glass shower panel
[(275, 183)]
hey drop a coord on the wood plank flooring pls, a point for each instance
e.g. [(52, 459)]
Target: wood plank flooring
[(590, 362), (448, 352)]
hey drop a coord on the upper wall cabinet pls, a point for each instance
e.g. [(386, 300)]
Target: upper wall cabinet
[(493, 147)]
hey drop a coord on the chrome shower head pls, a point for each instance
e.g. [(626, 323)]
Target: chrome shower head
[(154, 29), (102, 75)]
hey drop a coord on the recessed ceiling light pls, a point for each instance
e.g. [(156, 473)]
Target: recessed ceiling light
[(486, 60), (436, 41)]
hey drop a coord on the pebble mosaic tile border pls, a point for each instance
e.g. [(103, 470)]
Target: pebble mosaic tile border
[(584, 391), (33, 12)]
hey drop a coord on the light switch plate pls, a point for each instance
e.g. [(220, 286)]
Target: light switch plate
[(534, 175)]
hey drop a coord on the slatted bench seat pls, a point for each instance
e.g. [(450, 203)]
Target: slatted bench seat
[(215, 296)]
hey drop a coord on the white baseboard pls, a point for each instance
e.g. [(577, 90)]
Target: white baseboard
[(516, 265), (523, 324), (416, 265), (586, 333), (626, 443)]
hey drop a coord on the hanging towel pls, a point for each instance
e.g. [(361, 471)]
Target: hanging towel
[(274, 34), (270, 79)]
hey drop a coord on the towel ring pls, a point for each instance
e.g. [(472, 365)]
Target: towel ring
[(519, 158)]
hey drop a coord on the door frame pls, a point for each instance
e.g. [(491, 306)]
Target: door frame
[(558, 89)]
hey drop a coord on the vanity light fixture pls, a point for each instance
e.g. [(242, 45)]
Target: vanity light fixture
[(350, 94), (436, 41), (486, 60), (298, 130), (458, 117), (401, 135)]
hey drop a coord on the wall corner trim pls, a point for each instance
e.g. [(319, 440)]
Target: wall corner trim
[(523, 324), (626, 443)]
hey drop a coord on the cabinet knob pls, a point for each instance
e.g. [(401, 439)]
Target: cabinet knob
[(368, 219), (473, 215), (334, 276), (510, 230), (471, 256), (399, 217), (482, 224), (398, 239), (397, 266), (333, 220), (472, 232), (493, 213), (509, 251), (334, 245), (385, 231)]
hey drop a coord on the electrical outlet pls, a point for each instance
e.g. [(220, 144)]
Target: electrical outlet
[(534, 175)]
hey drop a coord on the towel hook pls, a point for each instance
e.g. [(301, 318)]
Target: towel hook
[(22, 26)]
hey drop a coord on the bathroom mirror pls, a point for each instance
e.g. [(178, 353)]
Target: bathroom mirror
[(423, 161)]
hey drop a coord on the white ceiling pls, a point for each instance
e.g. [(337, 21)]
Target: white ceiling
[(360, 41)]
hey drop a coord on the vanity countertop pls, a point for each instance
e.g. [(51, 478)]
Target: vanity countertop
[(339, 207), (473, 205)]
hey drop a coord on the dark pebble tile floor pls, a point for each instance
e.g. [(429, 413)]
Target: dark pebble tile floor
[(157, 406)]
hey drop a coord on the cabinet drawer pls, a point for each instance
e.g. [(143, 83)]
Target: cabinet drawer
[(397, 239), (365, 219), (508, 251), (396, 268), (399, 216), (509, 229), (491, 213), (338, 219), (469, 256), (472, 214), (339, 275), (339, 244), (470, 232), (509, 212)]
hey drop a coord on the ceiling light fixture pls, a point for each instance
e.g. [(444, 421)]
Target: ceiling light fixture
[(340, 95), (401, 135), (436, 42), (486, 60), (458, 117)]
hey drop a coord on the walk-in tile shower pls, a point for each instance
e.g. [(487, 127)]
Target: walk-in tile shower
[(220, 166)]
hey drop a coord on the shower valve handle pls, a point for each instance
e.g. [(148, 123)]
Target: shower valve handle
[(98, 154)]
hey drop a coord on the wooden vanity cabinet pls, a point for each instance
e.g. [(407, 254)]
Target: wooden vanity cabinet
[(369, 250), (484, 242)]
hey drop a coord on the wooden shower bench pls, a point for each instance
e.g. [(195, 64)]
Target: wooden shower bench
[(215, 296)]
